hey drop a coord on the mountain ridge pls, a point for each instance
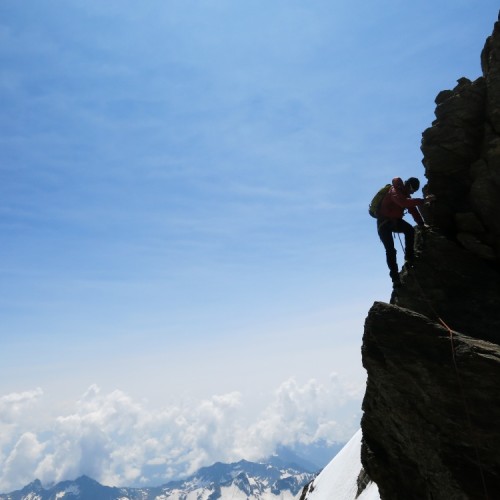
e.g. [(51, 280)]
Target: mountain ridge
[(432, 406), (244, 479)]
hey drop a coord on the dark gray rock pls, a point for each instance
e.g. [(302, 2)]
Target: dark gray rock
[(432, 403), (450, 147), (453, 283), (462, 154), (431, 409)]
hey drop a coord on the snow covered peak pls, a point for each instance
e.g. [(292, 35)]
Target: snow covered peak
[(339, 479)]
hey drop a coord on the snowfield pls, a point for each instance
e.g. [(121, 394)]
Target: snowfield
[(337, 481)]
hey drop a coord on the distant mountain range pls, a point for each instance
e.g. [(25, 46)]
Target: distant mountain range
[(235, 481)]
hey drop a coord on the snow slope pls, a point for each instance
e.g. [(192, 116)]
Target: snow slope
[(337, 481)]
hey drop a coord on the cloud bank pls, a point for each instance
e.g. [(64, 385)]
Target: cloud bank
[(121, 442)]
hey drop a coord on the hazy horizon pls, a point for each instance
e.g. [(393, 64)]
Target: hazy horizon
[(187, 259)]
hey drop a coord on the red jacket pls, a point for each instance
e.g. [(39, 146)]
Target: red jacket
[(397, 199)]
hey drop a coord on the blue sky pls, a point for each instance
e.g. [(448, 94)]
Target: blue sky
[(183, 203)]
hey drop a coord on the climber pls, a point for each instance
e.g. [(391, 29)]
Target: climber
[(390, 220)]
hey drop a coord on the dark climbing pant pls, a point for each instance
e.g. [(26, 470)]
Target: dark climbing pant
[(386, 227)]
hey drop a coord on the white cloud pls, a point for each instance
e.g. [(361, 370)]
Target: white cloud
[(305, 414), (12, 405), (118, 441), (17, 415), (22, 459)]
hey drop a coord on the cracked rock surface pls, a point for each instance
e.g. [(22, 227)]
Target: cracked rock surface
[(431, 422)]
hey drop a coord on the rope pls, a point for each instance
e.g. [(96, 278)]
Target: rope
[(457, 373)]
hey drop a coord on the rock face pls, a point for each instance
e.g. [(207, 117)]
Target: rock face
[(430, 427), (462, 158), (431, 422)]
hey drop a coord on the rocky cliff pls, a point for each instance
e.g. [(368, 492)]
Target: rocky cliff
[(432, 404)]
